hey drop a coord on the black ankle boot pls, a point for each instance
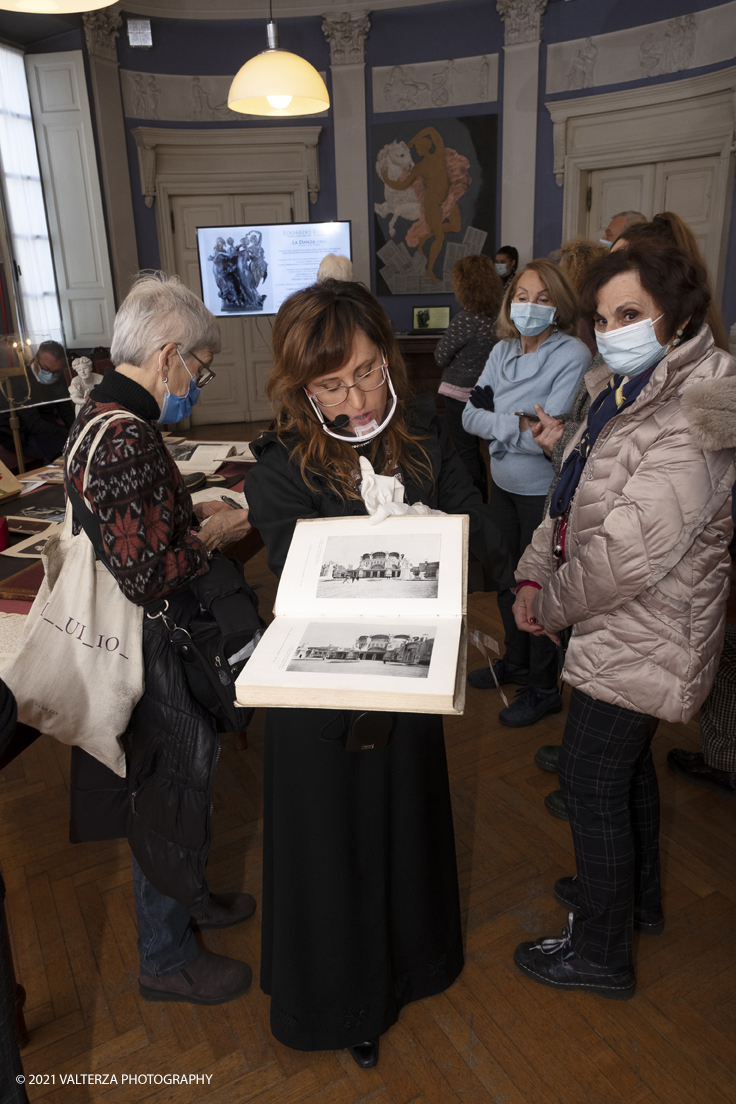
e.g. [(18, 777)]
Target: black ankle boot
[(365, 1054)]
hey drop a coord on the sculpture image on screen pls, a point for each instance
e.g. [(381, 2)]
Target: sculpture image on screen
[(252, 269)]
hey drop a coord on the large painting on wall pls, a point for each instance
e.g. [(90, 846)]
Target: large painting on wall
[(434, 200)]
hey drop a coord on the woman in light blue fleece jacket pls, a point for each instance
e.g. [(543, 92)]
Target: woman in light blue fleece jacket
[(539, 361)]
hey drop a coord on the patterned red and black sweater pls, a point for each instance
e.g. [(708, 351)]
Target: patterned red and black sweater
[(137, 493)]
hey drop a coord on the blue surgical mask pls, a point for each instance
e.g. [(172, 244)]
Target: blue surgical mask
[(632, 350), (502, 269), (45, 376), (176, 407), (531, 319), (603, 241)]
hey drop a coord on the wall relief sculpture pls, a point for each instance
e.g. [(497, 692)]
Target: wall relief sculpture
[(346, 37), (101, 28), (431, 84), (435, 200), (582, 70), (671, 52), (523, 19), (178, 98), (649, 50)]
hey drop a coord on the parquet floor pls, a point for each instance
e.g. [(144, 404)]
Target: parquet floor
[(495, 1036)]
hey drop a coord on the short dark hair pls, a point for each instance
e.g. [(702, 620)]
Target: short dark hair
[(477, 285), (510, 252), (53, 347), (676, 282)]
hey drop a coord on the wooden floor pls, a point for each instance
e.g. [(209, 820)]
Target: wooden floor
[(494, 1036)]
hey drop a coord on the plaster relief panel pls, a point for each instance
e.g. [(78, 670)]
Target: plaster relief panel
[(650, 50), (433, 84), (178, 98)]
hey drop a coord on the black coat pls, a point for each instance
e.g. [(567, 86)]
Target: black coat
[(449, 488), (360, 911), (164, 805)]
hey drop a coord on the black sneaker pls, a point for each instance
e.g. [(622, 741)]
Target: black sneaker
[(567, 892), (482, 679), (529, 706), (548, 757), (692, 765), (553, 962), (554, 803)]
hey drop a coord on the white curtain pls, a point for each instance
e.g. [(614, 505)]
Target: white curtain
[(21, 181)]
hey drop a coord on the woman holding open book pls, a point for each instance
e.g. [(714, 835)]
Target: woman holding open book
[(360, 898)]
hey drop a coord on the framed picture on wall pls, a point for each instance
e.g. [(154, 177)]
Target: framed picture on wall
[(430, 320), (434, 200)]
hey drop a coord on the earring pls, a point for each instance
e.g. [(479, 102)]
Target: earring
[(678, 338)]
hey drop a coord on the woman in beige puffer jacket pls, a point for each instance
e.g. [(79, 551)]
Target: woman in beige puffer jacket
[(638, 565)]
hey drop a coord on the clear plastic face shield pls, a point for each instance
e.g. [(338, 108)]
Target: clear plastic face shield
[(340, 427)]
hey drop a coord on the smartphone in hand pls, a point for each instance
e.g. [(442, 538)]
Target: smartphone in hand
[(529, 417)]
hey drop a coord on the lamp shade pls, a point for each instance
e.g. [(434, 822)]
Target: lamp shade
[(278, 83), (54, 7)]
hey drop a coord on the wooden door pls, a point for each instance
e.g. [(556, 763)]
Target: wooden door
[(686, 187), (630, 188), (243, 364)]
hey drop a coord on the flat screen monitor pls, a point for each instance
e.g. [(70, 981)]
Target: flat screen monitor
[(252, 269)]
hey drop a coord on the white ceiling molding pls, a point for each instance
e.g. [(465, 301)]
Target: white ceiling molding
[(257, 9)]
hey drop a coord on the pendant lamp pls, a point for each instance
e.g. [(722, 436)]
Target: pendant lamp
[(277, 83), (54, 7)]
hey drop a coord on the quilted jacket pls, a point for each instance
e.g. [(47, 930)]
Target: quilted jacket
[(646, 575)]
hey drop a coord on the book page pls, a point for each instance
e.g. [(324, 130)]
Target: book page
[(403, 567), (413, 657)]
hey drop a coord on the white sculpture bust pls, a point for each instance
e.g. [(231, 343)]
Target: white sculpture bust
[(84, 380)]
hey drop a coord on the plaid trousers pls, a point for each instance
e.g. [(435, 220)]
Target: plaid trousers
[(610, 785), (718, 712)]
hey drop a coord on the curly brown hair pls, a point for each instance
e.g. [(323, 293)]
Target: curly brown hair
[(576, 256), (477, 285), (314, 334)]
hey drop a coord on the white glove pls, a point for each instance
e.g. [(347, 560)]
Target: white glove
[(384, 496)]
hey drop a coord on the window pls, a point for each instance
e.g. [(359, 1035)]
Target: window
[(24, 206)]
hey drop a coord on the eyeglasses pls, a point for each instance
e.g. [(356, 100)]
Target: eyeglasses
[(205, 376), (369, 381)]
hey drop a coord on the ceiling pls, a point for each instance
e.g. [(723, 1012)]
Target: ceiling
[(22, 28)]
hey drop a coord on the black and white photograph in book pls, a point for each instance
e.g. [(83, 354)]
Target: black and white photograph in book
[(404, 652), (405, 568)]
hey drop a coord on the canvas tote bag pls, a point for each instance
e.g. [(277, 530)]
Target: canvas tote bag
[(79, 672)]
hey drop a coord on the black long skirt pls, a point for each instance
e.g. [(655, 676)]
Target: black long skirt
[(361, 912)]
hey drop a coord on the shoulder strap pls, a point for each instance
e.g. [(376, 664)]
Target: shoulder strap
[(84, 515)]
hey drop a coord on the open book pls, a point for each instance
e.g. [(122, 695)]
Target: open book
[(207, 456), (367, 617)]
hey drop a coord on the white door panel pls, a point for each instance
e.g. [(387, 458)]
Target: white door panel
[(686, 187), (614, 190)]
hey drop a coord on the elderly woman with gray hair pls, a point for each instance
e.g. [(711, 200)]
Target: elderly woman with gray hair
[(136, 502)]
